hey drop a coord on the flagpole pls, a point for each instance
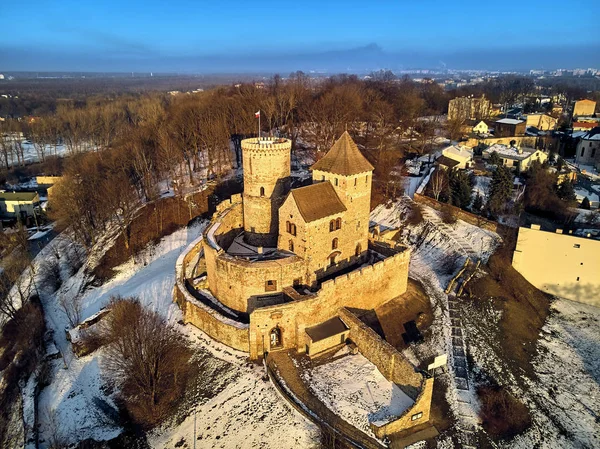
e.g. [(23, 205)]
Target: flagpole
[(259, 126)]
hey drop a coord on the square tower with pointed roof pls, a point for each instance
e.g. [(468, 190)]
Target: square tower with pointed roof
[(327, 223)]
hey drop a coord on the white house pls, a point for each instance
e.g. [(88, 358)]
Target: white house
[(459, 153), (481, 128), (519, 158), (18, 204)]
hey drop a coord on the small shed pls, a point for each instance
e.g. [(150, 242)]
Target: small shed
[(325, 335)]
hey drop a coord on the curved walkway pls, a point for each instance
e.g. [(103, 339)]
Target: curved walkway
[(285, 376)]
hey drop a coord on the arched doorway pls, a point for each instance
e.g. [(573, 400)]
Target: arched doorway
[(275, 338)]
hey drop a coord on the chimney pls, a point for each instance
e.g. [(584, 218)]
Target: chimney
[(559, 231), (535, 227)]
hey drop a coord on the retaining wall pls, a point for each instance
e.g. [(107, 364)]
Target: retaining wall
[(476, 220), (389, 361), (232, 333)]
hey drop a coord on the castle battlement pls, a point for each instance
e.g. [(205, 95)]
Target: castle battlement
[(266, 144)]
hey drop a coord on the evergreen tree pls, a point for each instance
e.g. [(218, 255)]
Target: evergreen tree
[(585, 204), (477, 204), (495, 159), (566, 192), (460, 188), (500, 190)]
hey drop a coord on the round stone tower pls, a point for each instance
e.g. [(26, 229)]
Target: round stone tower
[(266, 165)]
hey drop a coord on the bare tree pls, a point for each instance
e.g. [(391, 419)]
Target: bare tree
[(438, 183), (147, 357)]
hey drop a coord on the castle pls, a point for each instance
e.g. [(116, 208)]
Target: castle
[(276, 265)]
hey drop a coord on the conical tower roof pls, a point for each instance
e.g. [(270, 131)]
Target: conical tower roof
[(344, 158)]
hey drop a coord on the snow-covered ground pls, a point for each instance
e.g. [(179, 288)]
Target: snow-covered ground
[(564, 398), (353, 388), (482, 187), (239, 409), (246, 413)]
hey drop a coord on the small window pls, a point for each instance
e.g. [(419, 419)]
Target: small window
[(322, 177), (576, 245), (515, 163), (577, 278), (416, 416), (338, 223), (271, 286), (291, 245), (288, 227), (358, 250), (332, 226), (367, 179), (582, 151), (593, 152), (355, 181), (336, 181), (262, 191), (334, 243), (292, 229)]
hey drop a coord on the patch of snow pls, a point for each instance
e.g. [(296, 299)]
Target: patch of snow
[(354, 389)]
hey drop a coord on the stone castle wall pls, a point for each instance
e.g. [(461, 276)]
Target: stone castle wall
[(416, 415), (391, 363), (234, 280), (363, 288), (222, 329)]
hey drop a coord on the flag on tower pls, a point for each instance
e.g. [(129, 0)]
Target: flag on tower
[(257, 114)]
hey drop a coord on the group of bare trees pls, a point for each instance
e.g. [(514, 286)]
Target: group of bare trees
[(124, 148)]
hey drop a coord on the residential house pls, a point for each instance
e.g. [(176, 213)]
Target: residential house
[(481, 128), (461, 154), (588, 148), (18, 204), (446, 163), (584, 107), (508, 127), (543, 122), (518, 158)]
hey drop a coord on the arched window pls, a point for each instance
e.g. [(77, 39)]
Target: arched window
[(292, 229), (332, 226), (338, 223), (334, 243), (291, 245), (358, 250), (288, 227), (333, 259), (262, 191)]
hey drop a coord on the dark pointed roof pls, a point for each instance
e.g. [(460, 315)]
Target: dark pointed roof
[(344, 158), (317, 201)]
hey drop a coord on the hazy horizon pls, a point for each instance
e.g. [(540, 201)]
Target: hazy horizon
[(206, 37)]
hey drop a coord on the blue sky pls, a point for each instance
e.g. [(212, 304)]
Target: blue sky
[(136, 35)]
